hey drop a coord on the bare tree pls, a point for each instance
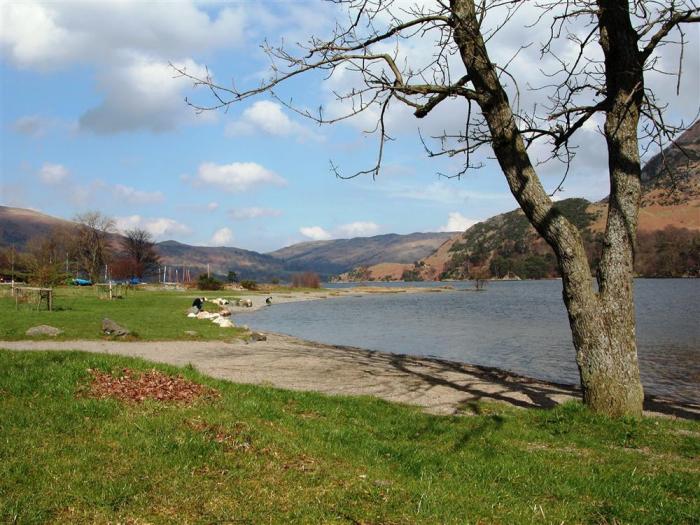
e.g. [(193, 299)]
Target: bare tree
[(615, 41), (139, 248), (92, 249)]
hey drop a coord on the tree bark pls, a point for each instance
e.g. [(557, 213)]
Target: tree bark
[(602, 322)]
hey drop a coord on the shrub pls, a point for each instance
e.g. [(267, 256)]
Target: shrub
[(204, 282), (306, 280), (249, 285)]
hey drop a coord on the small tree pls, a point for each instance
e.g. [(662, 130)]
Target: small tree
[(91, 243), (232, 277), (139, 248), (579, 86)]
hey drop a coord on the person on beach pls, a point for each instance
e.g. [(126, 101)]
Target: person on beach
[(198, 303)]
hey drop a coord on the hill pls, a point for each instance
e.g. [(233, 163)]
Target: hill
[(19, 225), (668, 233), (247, 264), (341, 255)]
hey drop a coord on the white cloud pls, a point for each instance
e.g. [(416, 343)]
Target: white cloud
[(31, 125), (445, 193), (358, 229), (268, 117), (53, 173), (57, 34), (159, 227), (130, 44), (237, 177), (240, 214), (456, 222), (212, 206), (134, 196), (142, 94), (222, 237), (315, 233)]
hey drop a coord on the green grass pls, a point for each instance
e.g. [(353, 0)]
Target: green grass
[(306, 458), (150, 314)]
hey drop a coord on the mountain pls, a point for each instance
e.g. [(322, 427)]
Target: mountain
[(668, 234), (18, 226), (247, 264), (341, 255)]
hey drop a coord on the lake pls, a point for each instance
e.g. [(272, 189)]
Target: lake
[(520, 326)]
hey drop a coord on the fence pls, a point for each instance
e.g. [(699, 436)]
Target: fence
[(111, 290), (35, 298)]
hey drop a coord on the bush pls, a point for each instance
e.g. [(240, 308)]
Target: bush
[(306, 280), (204, 282), (249, 285)]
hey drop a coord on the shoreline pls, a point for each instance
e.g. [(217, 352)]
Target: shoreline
[(436, 385)]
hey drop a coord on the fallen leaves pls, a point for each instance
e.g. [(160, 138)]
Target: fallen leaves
[(132, 386)]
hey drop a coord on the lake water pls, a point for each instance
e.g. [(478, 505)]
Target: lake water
[(520, 326)]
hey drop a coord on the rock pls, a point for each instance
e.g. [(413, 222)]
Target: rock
[(248, 303), (109, 327), (44, 329), (257, 336), (245, 327), (204, 315), (225, 313), (191, 333), (193, 310), (225, 323), (191, 315)]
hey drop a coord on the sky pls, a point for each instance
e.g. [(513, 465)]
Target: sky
[(93, 117)]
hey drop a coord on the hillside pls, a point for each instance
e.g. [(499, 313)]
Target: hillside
[(18, 226), (668, 233), (247, 264), (341, 255)]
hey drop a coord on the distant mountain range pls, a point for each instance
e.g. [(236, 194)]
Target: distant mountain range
[(18, 226)]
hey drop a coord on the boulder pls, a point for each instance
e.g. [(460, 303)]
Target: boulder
[(43, 329), (257, 336), (193, 310), (205, 315), (225, 323), (109, 327), (225, 313), (247, 303), (191, 314)]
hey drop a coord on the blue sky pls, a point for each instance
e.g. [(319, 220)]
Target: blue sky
[(92, 117)]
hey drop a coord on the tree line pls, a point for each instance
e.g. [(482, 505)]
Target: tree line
[(91, 250)]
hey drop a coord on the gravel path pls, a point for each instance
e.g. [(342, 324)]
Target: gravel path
[(440, 387)]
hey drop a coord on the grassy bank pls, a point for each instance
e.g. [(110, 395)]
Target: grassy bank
[(150, 314), (260, 455)]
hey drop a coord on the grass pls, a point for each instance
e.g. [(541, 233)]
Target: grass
[(149, 314), (289, 457)]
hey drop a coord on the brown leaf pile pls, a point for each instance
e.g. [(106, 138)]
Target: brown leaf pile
[(136, 387)]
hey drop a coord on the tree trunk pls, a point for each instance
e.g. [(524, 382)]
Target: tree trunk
[(602, 323)]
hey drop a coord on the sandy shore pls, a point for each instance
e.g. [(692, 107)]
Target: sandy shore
[(279, 297), (440, 387)]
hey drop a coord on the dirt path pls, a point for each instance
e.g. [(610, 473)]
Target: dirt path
[(441, 387)]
